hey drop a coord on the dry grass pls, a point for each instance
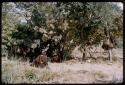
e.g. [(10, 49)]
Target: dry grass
[(92, 70), (101, 77), (22, 72)]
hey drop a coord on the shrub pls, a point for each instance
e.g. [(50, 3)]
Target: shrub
[(30, 74)]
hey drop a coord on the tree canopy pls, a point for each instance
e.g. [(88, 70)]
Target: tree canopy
[(70, 24)]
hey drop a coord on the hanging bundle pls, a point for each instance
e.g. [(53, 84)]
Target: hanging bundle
[(107, 45)]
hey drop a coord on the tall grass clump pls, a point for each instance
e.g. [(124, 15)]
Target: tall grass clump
[(22, 72)]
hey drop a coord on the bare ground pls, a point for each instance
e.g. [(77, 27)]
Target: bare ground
[(91, 70), (87, 72)]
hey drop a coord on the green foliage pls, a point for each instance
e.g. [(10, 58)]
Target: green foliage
[(81, 23), (37, 18), (26, 34), (30, 74), (118, 26)]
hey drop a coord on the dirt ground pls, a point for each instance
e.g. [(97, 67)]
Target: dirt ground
[(87, 72), (90, 71)]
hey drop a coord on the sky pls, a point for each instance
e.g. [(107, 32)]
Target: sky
[(120, 5)]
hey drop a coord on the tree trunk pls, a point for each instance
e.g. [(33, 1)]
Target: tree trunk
[(110, 55), (90, 52), (84, 54)]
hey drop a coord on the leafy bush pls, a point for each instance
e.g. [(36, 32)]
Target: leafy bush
[(30, 74)]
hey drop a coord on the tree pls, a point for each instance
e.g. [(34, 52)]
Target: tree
[(68, 24), (88, 20), (9, 19), (83, 23)]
